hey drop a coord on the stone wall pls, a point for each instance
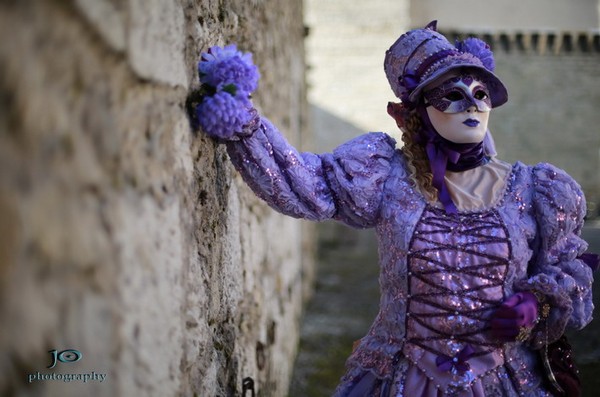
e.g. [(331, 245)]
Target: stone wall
[(508, 15), (345, 52), (126, 236)]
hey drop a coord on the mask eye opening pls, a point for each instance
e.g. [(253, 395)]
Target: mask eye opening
[(480, 95), (454, 96)]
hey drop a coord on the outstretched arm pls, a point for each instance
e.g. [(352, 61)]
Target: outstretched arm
[(345, 185), (290, 182)]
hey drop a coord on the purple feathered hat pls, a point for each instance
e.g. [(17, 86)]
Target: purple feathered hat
[(420, 56)]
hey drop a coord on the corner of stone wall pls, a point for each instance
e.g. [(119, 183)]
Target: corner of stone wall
[(130, 245)]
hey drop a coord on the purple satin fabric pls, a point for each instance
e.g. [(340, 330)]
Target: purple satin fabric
[(446, 155), (370, 385), (365, 386)]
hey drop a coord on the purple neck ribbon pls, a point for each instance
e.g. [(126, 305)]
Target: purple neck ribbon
[(458, 362), (446, 155)]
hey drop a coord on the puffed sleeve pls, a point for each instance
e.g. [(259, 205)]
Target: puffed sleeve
[(345, 185), (555, 271)]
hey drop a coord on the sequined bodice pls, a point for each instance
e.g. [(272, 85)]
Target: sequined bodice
[(456, 271)]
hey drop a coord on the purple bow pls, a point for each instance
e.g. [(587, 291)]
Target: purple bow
[(458, 362), (438, 159), (409, 80)]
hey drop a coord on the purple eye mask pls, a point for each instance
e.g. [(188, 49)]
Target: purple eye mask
[(458, 94)]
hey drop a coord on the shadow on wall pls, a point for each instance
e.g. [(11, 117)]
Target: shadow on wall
[(329, 130)]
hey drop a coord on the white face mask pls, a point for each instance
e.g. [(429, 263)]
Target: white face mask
[(469, 126), (459, 109)]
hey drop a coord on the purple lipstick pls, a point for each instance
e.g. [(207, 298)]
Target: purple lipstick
[(471, 122)]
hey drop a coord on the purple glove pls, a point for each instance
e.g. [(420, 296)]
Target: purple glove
[(515, 318)]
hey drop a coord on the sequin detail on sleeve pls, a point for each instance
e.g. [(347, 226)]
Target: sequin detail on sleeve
[(346, 185), (555, 270)]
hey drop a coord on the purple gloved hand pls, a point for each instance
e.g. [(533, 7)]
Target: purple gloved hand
[(518, 314)]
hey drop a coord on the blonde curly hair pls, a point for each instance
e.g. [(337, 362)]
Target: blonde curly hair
[(418, 162)]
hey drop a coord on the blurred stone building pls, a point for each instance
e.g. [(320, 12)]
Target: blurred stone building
[(548, 55), (547, 52), (130, 247)]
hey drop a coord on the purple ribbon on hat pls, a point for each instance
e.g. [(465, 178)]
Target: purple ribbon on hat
[(409, 80), (458, 362), (438, 56)]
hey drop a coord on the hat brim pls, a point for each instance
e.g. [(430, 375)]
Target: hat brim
[(497, 90)]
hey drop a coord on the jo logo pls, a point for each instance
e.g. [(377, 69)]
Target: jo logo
[(65, 356)]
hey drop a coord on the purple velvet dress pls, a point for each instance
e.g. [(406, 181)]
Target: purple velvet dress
[(442, 275)]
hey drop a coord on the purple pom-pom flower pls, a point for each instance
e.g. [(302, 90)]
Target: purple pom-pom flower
[(480, 49), (228, 77), (223, 115), (228, 68)]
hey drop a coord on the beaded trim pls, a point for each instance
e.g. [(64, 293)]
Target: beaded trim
[(453, 389)]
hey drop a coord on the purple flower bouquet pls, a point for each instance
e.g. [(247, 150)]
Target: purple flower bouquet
[(228, 76)]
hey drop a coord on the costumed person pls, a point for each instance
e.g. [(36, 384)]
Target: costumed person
[(482, 263)]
